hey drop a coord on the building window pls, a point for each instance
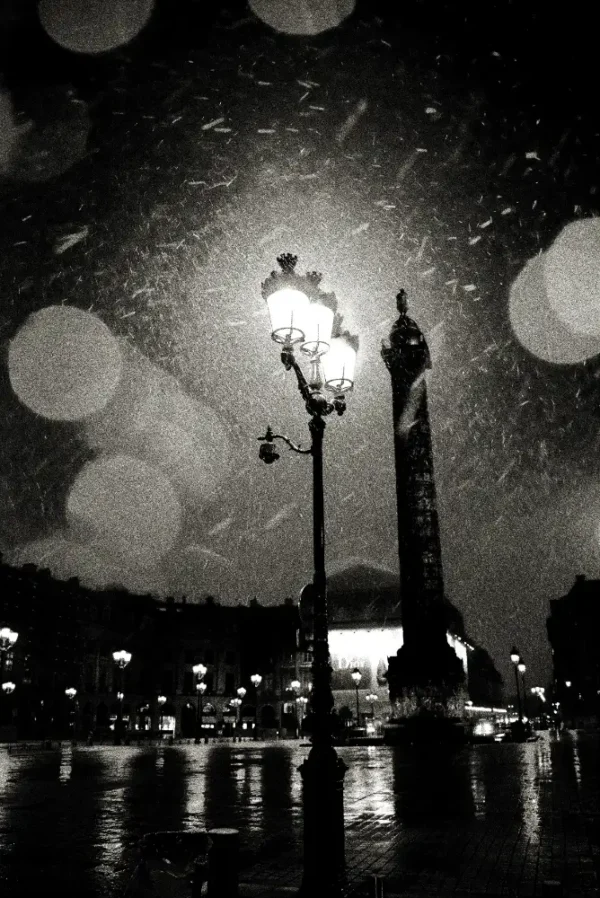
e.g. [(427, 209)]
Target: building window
[(190, 656), (229, 657), (209, 680), (209, 656), (188, 682), (229, 684), (167, 682)]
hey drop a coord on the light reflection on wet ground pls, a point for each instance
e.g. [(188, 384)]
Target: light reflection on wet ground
[(70, 821)]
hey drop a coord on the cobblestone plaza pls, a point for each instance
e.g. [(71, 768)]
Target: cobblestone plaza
[(487, 820)]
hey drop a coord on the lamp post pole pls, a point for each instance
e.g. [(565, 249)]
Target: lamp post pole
[(121, 659), (303, 313), (357, 677)]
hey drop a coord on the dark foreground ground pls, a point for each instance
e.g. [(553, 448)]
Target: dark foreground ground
[(490, 819)]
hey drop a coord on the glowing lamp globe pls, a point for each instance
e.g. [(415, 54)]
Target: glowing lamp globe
[(122, 658), (161, 700), (514, 656), (356, 676), (256, 680), (241, 692), (287, 308), (8, 638), (71, 692), (338, 366), (318, 324), (8, 687), (521, 668), (199, 670), (201, 688)]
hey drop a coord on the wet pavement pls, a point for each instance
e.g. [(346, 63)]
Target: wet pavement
[(488, 819)]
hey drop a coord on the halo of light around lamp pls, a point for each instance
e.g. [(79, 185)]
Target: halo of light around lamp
[(287, 308), (338, 366), (318, 324)]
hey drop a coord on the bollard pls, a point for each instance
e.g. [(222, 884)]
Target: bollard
[(223, 863), (377, 886)]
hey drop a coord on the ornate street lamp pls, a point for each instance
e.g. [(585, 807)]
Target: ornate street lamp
[(256, 680), (357, 677), (121, 659), (303, 315), (161, 701), (8, 688), (515, 658)]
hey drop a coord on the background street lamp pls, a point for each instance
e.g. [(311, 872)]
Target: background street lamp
[(521, 668), (121, 659), (236, 703), (302, 314), (71, 694), (357, 677), (256, 680), (301, 703), (200, 690), (372, 698), (161, 701), (515, 658), (8, 638), (199, 671)]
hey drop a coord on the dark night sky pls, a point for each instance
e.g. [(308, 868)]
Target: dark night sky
[(439, 150)]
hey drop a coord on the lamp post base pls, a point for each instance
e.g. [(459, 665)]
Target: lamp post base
[(323, 800)]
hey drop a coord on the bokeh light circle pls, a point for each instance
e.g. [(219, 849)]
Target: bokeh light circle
[(64, 363), (302, 17), (94, 26), (126, 507), (572, 276), (537, 327)]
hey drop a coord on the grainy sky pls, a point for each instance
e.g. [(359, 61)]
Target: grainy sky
[(152, 186)]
